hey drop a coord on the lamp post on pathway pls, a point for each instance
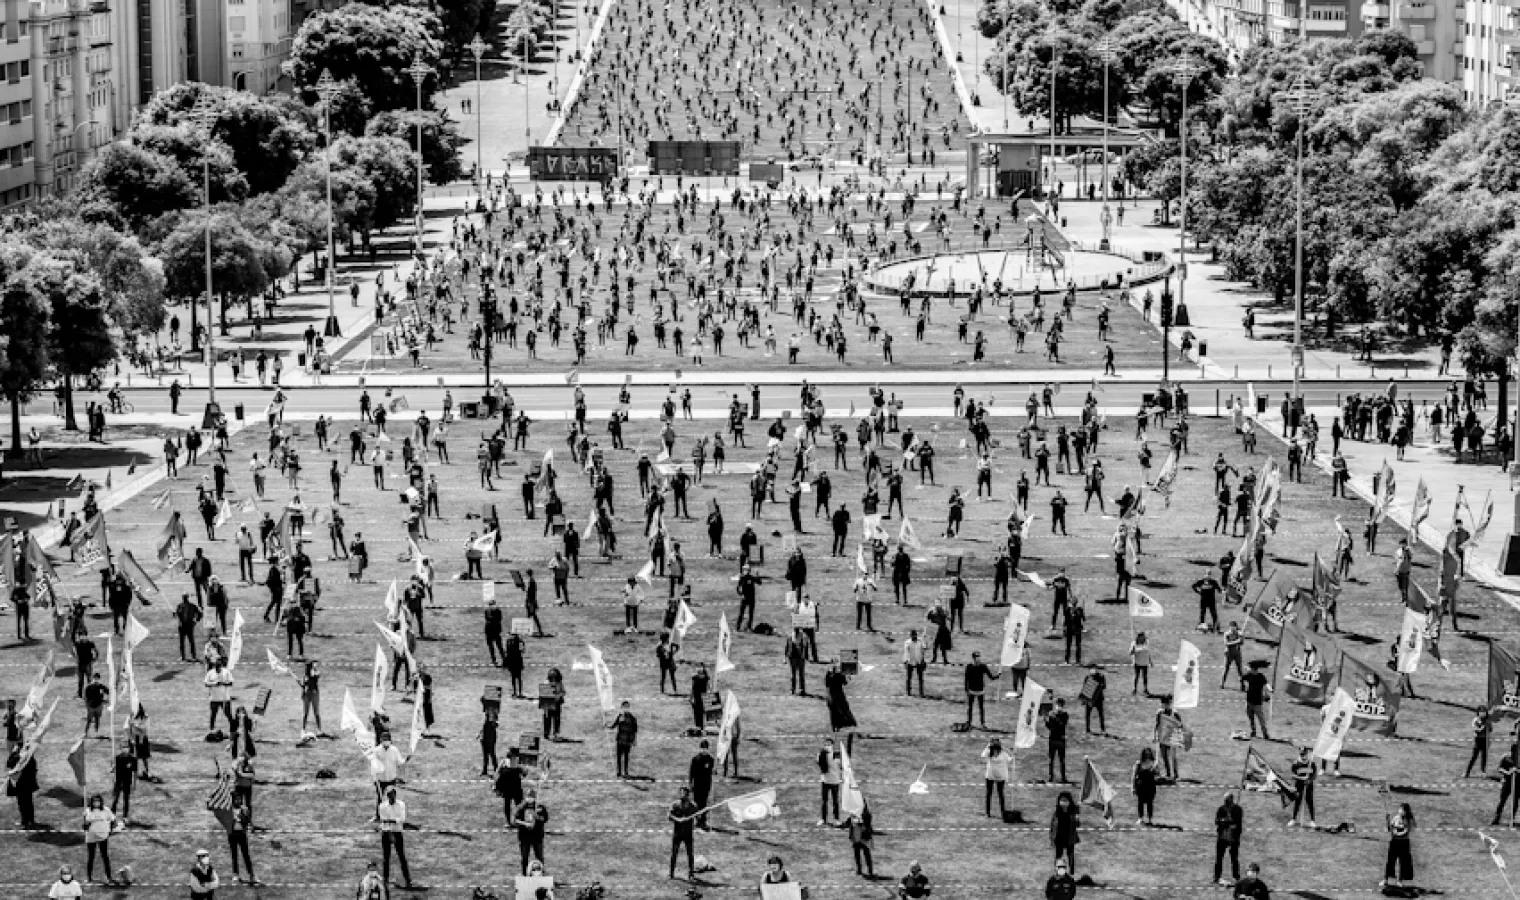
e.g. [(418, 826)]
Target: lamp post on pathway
[(327, 89), (1299, 98), (478, 47), (419, 71), (1108, 50), (202, 118), (1183, 72), (1055, 55)]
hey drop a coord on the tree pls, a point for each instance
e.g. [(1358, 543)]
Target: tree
[(1024, 16), (136, 183), (133, 285), (371, 45), (1160, 91), (79, 334), (24, 322), (440, 140), (390, 167), (238, 261), (268, 137), (353, 197), (188, 152), (1079, 77)]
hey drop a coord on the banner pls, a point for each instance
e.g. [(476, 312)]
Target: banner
[(1421, 510), (141, 582), (851, 801), (45, 584), (90, 545), (1167, 477), (1258, 775), (7, 565), (726, 729), (908, 537), (1375, 707), (1027, 730), (753, 807), (1015, 634), (1096, 792), (38, 691), (1503, 681), (1480, 527), (1185, 686), (1306, 661), (1337, 722), (685, 618), (1278, 604), (171, 542), (377, 680), (235, 644), (603, 677), (725, 646), (1411, 641), (1143, 606), (350, 722)]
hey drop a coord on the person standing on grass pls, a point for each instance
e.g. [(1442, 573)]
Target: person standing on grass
[(1508, 775), (1167, 734), (626, 732), (682, 817), (529, 819), (1229, 822), (1055, 725), (1304, 774), (1481, 726), (1257, 687), (237, 839), (996, 776), (1064, 825), (1399, 866), (97, 838), (392, 814), (203, 880), (976, 677), (1140, 659)]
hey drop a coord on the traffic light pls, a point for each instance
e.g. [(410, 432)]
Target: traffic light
[(1166, 308)]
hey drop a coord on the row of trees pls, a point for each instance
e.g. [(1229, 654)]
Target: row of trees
[(100, 267), (1410, 196), (1147, 37), (526, 26)]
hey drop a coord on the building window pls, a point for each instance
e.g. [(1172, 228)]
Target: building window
[(237, 51), (237, 23)]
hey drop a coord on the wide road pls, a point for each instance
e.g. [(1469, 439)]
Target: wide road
[(555, 396)]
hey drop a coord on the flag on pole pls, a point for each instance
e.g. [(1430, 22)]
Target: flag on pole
[(38, 691), (90, 545), (32, 741), (224, 513), (1411, 641), (162, 500), (418, 727), (111, 682), (129, 679), (1258, 775), (76, 763), (219, 802), (1015, 634), (350, 722), (1374, 706), (1493, 851), (1480, 526), (646, 573), (1185, 685), (685, 618), (136, 633), (1096, 792), (1503, 681), (171, 542), (725, 646), (860, 559), (278, 667), (603, 676), (1034, 579), (753, 807), (1026, 731), (908, 537), (235, 644), (392, 602), (851, 801), (1306, 661), (1143, 606), (141, 582), (377, 680), (485, 543), (726, 727), (1421, 510), (1167, 477), (1337, 722)]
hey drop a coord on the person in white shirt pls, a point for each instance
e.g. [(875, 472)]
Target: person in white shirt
[(385, 762), (256, 466), (913, 662), (65, 888), (392, 822), (219, 694), (998, 761)]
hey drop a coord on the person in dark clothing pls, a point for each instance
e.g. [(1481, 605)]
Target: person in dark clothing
[(493, 633), (1229, 821), (682, 817), (1064, 825), (700, 779), (977, 676), (1055, 723)]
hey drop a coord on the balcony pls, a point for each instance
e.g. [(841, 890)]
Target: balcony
[(1425, 48), (1326, 26), (1459, 50), (1375, 10), (1507, 37), (1416, 12)]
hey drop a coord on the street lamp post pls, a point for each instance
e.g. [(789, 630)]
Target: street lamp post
[(202, 118), (1108, 49), (327, 88), (1299, 98), (419, 71), (1183, 72), (527, 126), (478, 48), (1055, 54)]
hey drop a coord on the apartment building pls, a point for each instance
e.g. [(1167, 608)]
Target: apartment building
[(232, 43), (1241, 24), (1491, 51), (258, 41), (1435, 27)]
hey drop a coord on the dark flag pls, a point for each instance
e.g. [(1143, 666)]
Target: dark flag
[(1503, 681), (1375, 707), (1258, 775), (1306, 663)]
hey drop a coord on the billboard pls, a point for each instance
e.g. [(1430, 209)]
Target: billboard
[(694, 157), (572, 163)]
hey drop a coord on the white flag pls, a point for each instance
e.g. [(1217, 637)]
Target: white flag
[(351, 722), (907, 536), (851, 801), (486, 542), (418, 727), (377, 680), (110, 673), (1015, 633), (1142, 605), (603, 677), (1026, 732), (235, 645), (224, 513), (275, 664), (393, 602), (685, 618), (1411, 641), (725, 645), (646, 573), (726, 729), (1337, 721), (1034, 579), (136, 632), (1185, 687), (129, 676)]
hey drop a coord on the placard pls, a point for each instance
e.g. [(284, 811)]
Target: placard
[(522, 627), (261, 702)]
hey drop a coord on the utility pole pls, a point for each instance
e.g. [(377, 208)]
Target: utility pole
[(327, 88), (1108, 49), (1183, 72), (203, 116), (1299, 98), (419, 72)]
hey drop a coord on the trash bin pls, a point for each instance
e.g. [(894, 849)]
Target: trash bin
[(1261, 405), (1203, 349), (237, 411), (301, 360), (489, 402)]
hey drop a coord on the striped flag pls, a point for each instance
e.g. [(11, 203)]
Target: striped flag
[(219, 801), (1097, 793)]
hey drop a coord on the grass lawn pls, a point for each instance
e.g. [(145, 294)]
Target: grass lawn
[(737, 73), (1135, 342), (318, 835)]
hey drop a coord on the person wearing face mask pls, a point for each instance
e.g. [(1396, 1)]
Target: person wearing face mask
[(65, 888)]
